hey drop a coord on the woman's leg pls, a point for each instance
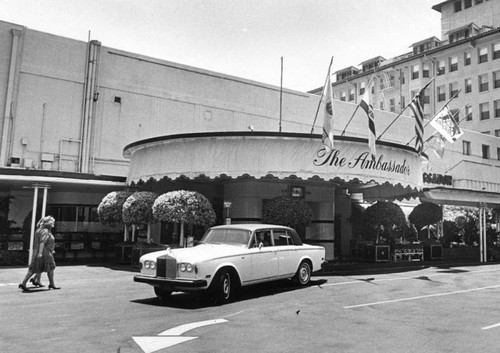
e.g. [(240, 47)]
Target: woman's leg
[(50, 274)]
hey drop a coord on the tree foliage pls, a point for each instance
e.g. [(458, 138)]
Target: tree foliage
[(183, 206), (111, 206), (425, 214), (138, 208), (384, 217), (287, 211)]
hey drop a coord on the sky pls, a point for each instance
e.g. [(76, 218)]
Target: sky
[(243, 38)]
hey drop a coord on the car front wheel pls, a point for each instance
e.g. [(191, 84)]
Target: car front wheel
[(303, 274), (223, 287)]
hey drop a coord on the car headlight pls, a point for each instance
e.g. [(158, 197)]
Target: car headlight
[(186, 267), (149, 264)]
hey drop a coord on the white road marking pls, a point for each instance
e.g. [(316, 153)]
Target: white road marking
[(172, 336), (491, 326), (421, 297)]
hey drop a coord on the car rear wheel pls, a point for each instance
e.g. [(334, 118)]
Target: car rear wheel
[(223, 287), (162, 294), (303, 275)]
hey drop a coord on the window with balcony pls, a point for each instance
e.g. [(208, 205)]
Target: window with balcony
[(415, 72), (483, 55), (468, 112), (484, 111), (441, 67), (485, 151), (453, 89), (496, 79), (467, 58), (426, 69), (483, 82), (496, 51), (468, 85), (453, 63), (466, 150), (441, 94), (496, 108)]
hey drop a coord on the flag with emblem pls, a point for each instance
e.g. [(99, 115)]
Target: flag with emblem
[(445, 123), (327, 137), (437, 142), (368, 108)]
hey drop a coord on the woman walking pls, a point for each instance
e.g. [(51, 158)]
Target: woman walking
[(43, 260)]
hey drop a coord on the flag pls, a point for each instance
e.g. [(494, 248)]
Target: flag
[(327, 137), (417, 107), (436, 142), (445, 123), (368, 108)]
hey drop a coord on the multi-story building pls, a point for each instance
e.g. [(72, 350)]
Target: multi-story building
[(81, 119)]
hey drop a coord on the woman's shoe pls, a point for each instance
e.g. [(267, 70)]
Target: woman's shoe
[(51, 286), (23, 287), (36, 284)]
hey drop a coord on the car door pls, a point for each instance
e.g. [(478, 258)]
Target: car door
[(265, 263), (288, 256)]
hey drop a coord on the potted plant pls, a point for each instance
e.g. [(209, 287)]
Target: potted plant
[(138, 212), (110, 212), (385, 221), (287, 211), (184, 207), (424, 216)]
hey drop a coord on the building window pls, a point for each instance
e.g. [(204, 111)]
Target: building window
[(497, 133), (483, 55), (426, 97), (485, 151), (498, 153), (453, 63), (466, 148), (468, 85), (496, 51), (351, 94), (479, 2), (441, 67), (483, 83), (457, 6), (403, 101), (467, 58), (468, 112), (392, 105), (362, 88), (496, 79), (453, 89), (342, 96), (381, 105), (415, 72), (441, 94), (426, 69), (484, 111), (496, 108), (467, 4)]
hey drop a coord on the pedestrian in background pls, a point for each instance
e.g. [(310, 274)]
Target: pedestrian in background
[(43, 260)]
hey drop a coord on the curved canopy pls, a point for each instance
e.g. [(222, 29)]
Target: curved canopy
[(264, 154)]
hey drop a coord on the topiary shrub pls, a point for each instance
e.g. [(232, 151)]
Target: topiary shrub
[(384, 218), (287, 211), (138, 210), (111, 207)]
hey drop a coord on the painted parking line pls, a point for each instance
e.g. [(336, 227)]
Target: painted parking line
[(421, 297), (491, 326)]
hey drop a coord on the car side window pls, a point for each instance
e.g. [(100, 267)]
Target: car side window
[(282, 238), (262, 237)]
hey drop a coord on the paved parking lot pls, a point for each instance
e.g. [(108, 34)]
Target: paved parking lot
[(100, 309)]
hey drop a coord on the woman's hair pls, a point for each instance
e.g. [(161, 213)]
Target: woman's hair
[(42, 223)]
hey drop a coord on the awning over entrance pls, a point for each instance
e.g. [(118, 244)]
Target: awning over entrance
[(461, 197), (280, 155)]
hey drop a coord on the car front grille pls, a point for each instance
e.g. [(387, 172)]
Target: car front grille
[(166, 266)]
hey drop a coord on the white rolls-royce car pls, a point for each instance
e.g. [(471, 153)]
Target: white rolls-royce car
[(230, 257)]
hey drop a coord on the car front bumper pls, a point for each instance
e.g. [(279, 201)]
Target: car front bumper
[(174, 284)]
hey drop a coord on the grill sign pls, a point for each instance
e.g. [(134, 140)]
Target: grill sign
[(432, 178), (363, 161)]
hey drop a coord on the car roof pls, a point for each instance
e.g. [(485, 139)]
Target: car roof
[(250, 226)]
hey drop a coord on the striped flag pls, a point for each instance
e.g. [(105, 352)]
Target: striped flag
[(368, 108), (417, 107), (327, 137)]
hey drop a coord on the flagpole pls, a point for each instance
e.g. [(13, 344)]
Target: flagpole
[(281, 93), (357, 107), (401, 112), (321, 97), (439, 111)]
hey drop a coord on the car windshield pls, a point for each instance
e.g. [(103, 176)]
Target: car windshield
[(227, 236)]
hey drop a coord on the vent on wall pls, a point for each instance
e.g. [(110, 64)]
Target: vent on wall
[(118, 100)]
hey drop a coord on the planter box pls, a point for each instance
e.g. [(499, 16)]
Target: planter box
[(433, 252), (462, 253), (408, 252), (377, 253), (123, 253)]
